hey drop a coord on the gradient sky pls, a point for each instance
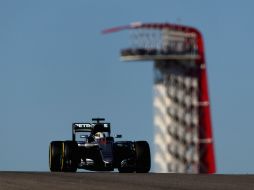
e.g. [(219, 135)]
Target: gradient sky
[(57, 68)]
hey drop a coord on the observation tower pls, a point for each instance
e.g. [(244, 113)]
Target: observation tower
[(182, 119)]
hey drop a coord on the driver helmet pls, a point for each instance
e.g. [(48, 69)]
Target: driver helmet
[(99, 135)]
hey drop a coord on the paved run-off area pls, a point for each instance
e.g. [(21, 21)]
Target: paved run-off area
[(111, 181)]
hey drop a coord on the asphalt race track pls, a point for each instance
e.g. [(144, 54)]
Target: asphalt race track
[(112, 181)]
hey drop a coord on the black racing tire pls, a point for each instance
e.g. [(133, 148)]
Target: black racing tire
[(143, 157), (70, 158), (55, 156)]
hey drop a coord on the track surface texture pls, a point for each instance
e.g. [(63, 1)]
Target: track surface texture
[(112, 181)]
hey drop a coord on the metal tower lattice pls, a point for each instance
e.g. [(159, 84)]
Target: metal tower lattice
[(182, 119)]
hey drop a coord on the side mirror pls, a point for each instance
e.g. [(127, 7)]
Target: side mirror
[(118, 136)]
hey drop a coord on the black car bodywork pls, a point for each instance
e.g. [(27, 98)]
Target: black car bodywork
[(98, 153)]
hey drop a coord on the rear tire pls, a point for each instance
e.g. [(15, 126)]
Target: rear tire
[(55, 156), (143, 157), (70, 159)]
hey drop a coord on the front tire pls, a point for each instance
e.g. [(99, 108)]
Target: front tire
[(55, 156), (143, 157)]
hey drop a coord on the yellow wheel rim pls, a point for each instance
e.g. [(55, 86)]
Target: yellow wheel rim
[(62, 157)]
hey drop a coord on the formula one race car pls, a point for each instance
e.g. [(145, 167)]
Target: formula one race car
[(93, 148)]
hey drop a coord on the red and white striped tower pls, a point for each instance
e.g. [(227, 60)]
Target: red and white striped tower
[(183, 129)]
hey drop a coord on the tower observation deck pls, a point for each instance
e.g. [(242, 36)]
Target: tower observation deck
[(182, 119)]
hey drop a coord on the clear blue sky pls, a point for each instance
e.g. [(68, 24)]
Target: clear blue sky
[(56, 68)]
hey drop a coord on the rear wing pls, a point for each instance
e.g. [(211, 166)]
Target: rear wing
[(89, 127)]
